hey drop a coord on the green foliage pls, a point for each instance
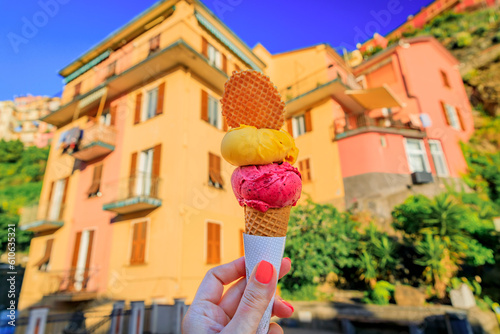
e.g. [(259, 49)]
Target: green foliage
[(21, 174), (303, 293), (381, 294), (463, 39), (320, 240)]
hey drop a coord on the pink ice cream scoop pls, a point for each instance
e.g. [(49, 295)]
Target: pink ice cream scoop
[(267, 186)]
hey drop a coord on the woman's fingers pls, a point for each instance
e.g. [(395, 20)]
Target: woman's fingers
[(274, 328), (212, 286), (258, 293), (282, 308), (232, 297)]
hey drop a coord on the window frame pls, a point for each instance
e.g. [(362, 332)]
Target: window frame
[(440, 155), (299, 123), (151, 99), (309, 178), (214, 56), (217, 222), (452, 116), (217, 123), (445, 79), (422, 150)]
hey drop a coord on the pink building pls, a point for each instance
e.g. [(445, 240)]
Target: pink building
[(412, 146)]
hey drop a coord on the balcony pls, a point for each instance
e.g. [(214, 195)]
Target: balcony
[(69, 285), (44, 217), (136, 193), (97, 141), (176, 55), (353, 124)]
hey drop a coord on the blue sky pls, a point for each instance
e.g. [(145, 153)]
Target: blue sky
[(40, 37)]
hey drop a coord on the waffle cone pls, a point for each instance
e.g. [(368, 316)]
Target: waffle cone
[(250, 98), (272, 223)]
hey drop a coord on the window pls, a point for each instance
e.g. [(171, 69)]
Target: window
[(138, 253), (151, 100), (305, 170), (452, 116), (154, 44), (438, 158), (446, 83), (300, 124), (78, 88), (111, 70), (211, 111), (144, 172), (416, 154), (80, 264), (214, 57), (95, 187), (44, 263), (57, 199), (383, 141), (214, 171), (213, 243), (153, 106)]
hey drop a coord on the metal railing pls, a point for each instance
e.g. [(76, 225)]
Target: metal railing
[(139, 185), (98, 132), (43, 211), (359, 121), (74, 280)]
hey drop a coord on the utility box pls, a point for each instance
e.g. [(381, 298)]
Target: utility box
[(421, 177)]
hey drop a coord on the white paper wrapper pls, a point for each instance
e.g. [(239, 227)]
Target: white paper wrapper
[(271, 250)]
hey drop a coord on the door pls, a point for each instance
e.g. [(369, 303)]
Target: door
[(56, 200), (145, 169)]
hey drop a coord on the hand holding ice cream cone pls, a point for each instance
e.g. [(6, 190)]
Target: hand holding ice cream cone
[(265, 182)]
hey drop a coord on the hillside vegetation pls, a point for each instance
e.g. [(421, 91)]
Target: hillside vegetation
[(21, 175)]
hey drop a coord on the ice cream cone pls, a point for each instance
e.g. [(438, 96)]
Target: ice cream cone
[(272, 223)]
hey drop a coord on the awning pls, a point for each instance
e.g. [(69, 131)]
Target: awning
[(87, 100), (209, 26), (374, 98), (87, 66)]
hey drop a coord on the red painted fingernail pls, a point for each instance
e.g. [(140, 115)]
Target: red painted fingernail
[(288, 304), (289, 260), (264, 272)]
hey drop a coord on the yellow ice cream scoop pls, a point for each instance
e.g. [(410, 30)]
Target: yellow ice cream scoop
[(247, 145)]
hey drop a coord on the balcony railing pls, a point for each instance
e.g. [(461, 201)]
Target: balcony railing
[(69, 285), (360, 123), (97, 140), (136, 193), (42, 217)]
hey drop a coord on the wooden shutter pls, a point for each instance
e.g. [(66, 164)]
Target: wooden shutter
[(214, 169), (204, 47), (224, 63), (224, 124), (138, 103), (236, 67), (159, 102), (443, 107), (213, 243), (242, 245), (289, 126), (156, 160), (133, 177), (113, 115), (46, 255), (76, 249), (64, 196), (204, 105), (307, 118), (138, 243), (96, 180), (51, 191), (460, 119)]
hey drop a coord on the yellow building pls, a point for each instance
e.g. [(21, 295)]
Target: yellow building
[(137, 202)]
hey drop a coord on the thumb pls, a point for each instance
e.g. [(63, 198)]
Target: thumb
[(257, 296)]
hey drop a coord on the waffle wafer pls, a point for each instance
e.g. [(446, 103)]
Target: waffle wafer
[(250, 98), (272, 223)]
